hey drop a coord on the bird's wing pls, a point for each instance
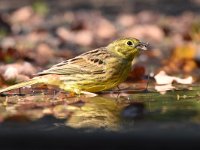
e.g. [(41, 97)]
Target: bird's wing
[(92, 62)]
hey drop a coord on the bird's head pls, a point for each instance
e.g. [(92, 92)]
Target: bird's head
[(127, 48)]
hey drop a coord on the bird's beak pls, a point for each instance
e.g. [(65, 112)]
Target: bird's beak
[(142, 46)]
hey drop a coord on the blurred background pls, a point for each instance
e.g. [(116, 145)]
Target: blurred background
[(38, 33)]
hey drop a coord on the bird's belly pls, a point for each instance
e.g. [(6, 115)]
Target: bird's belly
[(94, 83)]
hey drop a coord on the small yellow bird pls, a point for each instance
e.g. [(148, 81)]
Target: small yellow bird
[(93, 71)]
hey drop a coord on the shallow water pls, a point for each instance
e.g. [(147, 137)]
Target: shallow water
[(116, 112)]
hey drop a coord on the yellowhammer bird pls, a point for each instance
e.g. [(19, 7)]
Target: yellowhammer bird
[(93, 71)]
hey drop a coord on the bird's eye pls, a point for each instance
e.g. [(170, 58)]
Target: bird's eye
[(130, 43)]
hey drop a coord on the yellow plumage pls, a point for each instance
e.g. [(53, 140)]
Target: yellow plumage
[(93, 71)]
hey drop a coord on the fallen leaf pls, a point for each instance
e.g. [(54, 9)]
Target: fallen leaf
[(22, 14), (147, 17), (137, 73), (164, 88), (44, 54), (126, 20), (184, 58), (84, 37), (163, 78), (151, 32), (17, 72), (80, 37), (186, 51), (105, 29)]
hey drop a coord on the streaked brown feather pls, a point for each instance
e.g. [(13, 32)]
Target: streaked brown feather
[(92, 62)]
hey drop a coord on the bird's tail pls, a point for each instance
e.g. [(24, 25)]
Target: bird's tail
[(19, 85)]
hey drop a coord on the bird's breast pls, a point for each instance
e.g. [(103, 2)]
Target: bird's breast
[(117, 71)]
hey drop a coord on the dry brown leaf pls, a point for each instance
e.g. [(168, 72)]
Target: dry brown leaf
[(183, 59), (137, 73), (126, 20), (80, 37), (186, 51), (44, 54), (151, 32), (17, 72), (22, 14), (84, 37), (105, 29)]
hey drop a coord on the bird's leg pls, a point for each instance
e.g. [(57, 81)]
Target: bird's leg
[(146, 89), (118, 88), (20, 91)]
